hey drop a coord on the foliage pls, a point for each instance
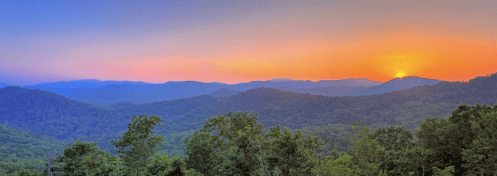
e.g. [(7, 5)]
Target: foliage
[(137, 144), (162, 164), (87, 159), (457, 141), (13, 165), (237, 144), (50, 114), (481, 156), (342, 166), (365, 151), (446, 172), (296, 153), (396, 142), (331, 135), (226, 141)]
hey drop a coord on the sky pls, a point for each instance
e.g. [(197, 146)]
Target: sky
[(245, 40)]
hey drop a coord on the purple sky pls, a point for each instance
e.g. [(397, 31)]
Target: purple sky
[(240, 41)]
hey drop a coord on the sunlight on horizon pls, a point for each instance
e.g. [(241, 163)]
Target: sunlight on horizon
[(400, 74)]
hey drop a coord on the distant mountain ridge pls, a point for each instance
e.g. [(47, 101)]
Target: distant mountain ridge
[(395, 84), (3, 85), (105, 93), (51, 114), (280, 79), (326, 91), (223, 92), (406, 107), (358, 90), (84, 83)]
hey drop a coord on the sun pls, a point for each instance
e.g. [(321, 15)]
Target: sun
[(400, 74)]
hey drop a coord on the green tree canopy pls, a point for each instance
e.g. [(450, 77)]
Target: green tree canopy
[(86, 159), (138, 144)]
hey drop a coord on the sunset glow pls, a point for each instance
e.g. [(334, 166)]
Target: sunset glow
[(400, 74), (451, 40)]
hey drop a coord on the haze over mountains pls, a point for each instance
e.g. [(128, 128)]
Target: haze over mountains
[(105, 93), (3, 85), (358, 90), (393, 85), (223, 92), (54, 115)]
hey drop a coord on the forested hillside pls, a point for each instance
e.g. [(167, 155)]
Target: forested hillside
[(47, 113), (223, 92), (54, 115), (326, 91), (327, 118), (237, 144), (404, 107), (169, 108), (21, 149), (27, 144)]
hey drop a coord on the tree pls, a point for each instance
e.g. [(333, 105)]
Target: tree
[(162, 164), (24, 172), (395, 141), (481, 157), (431, 135), (235, 144), (265, 170), (365, 151), (201, 153), (137, 144), (85, 159), (341, 166), (226, 144), (418, 157), (296, 153), (446, 172), (448, 139)]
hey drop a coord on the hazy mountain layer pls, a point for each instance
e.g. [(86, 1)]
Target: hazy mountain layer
[(3, 85), (110, 92), (393, 85), (51, 114), (326, 91), (223, 92)]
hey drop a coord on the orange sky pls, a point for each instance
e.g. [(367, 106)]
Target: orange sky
[(452, 40)]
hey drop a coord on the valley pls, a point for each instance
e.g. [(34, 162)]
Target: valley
[(328, 118)]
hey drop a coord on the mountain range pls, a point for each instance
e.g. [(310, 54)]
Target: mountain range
[(50, 114), (223, 92), (393, 85), (104, 93), (358, 90), (54, 115), (3, 85)]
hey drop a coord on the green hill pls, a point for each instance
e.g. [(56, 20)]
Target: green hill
[(54, 115), (50, 114), (21, 149)]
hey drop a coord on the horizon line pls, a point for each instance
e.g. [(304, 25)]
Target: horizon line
[(273, 79)]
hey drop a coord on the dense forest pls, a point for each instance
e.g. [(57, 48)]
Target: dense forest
[(238, 144), (54, 115), (35, 122)]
